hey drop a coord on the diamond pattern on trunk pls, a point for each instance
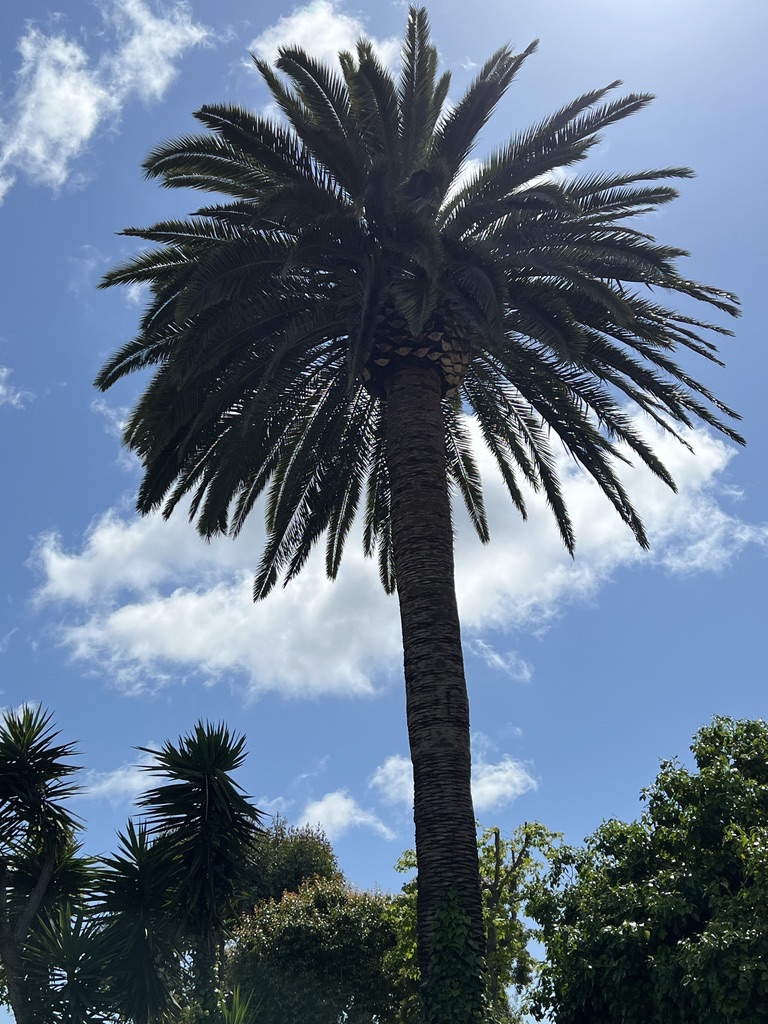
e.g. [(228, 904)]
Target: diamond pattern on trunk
[(444, 341)]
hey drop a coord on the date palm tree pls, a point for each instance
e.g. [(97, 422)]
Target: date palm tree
[(317, 336)]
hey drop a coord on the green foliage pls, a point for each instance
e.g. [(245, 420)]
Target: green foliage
[(66, 961), (665, 920), (40, 869), (236, 1008), (510, 869), (203, 822), (286, 856), (204, 829), (137, 935), (454, 988), (349, 217), (34, 786), (316, 956), (143, 932), (510, 872)]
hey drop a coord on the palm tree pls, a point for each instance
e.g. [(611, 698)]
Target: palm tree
[(39, 866), (318, 335)]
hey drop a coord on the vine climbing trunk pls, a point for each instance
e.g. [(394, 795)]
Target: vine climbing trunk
[(437, 705)]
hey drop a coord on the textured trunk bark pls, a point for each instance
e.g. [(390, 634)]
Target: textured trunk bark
[(13, 974), (14, 935), (437, 705)]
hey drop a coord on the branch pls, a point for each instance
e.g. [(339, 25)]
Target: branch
[(35, 899)]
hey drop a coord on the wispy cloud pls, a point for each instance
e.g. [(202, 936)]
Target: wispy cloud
[(26, 705), (10, 395), (122, 785), (393, 780), (86, 269), (273, 806), (510, 662), (322, 28), (65, 95), (338, 812), (6, 639)]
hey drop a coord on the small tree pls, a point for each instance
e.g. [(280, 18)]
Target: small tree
[(285, 857), (317, 956), (203, 829), (665, 920), (144, 934), (39, 864)]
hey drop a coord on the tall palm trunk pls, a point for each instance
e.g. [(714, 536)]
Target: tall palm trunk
[(437, 706)]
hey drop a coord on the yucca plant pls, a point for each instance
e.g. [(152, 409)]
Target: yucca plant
[(143, 930), (203, 829), (67, 964), (317, 336), (39, 866)]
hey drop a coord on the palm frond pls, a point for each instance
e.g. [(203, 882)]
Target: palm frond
[(416, 91), (344, 225)]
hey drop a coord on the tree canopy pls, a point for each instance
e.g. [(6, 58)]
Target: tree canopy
[(664, 920), (131, 936)]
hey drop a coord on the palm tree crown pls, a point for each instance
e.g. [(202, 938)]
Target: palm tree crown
[(355, 241)]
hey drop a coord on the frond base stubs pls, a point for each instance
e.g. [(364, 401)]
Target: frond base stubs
[(444, 343)]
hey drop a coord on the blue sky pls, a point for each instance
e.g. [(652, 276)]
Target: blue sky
[(582, 674)]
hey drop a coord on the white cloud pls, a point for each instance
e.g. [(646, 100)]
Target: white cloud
[(144, 62), (64, 96), (115, 417), (144, 600), (492, 784), (274, 806), (496, 784), (512, 663), (123, 785), (338, 812), (26, 705), (322, 29), (394, 780), (10, 395), (155, 596), (525, 578), (114, 420), (6, 639), (136, 293)]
